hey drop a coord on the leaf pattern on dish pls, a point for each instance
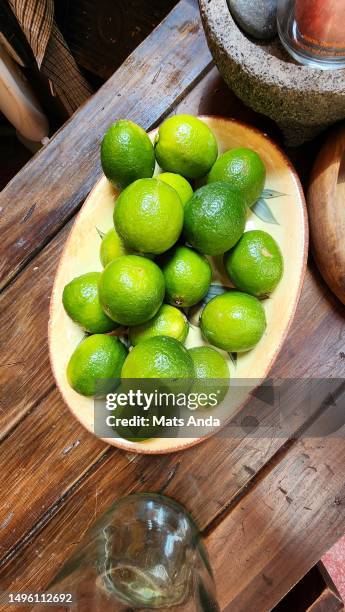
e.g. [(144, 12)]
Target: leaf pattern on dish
[(100, 233), (261, 208), (263, 211)]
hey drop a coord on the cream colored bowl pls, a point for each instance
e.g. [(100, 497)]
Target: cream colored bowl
[(290, 229)]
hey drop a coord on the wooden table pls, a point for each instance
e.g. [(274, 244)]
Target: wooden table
[(270, 506)]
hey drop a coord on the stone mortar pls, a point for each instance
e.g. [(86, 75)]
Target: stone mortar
[(303, 101)]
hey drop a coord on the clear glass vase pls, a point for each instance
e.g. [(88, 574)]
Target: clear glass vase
[(313, 31), (144, 553)]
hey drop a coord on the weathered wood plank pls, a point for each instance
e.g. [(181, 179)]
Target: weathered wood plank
[(280, 529), (25, 373), (327, 602), (330, 599), (40, 461), (35, 470), (39, 200), (269, 540), (186, 477)]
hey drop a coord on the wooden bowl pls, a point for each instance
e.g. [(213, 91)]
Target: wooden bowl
[(81, 254), (326, 199)]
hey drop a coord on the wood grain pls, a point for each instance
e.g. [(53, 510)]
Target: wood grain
[(330, 599), (308, 590), (327, 602), (277, 532), (40, 460), (35, 471), (326, 198), (275, 522), (50, 543), (25, 374), (156, 75)]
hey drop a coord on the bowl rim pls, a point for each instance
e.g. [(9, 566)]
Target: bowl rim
[(140, 447)]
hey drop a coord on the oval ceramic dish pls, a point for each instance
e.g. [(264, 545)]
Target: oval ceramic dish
[(281, 212)]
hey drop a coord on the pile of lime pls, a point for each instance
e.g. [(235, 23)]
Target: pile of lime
[(156, 258)]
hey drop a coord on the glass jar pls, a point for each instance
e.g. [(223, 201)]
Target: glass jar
[(144, 553), (313, 31)]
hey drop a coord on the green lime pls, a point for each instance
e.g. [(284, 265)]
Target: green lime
[(212, 373), (129, 427), (131, 289), (158, 357), (185, 145), (179, 183), (112, 246), (96, 358), (81, 302), (148, 400), (149, 216), (127, 153), (208, 363), (187, 276), (215, 218), (242, 168), (255, 264), (233, 321), (168, 321)]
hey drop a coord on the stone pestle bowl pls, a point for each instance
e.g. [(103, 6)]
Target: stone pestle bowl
[(303, 101)]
